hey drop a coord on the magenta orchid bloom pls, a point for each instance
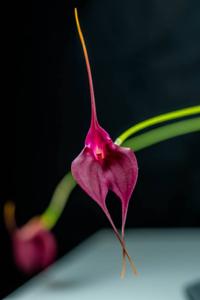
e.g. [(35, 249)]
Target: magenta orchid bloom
[(102, 165), (34, 247)]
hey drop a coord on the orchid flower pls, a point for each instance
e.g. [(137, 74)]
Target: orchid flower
[(102, 165), (34, 246), (25, 252)]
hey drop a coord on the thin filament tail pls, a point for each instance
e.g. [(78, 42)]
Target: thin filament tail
[(93, 104), (123, 271), (124, 250), (9, 216)]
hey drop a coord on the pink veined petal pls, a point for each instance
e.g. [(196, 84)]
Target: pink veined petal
[(90, 176), (117, 172), (122, 177)]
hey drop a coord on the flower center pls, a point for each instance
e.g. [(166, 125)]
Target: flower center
[(99, 153)]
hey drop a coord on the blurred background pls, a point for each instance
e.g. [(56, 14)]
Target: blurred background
[(145, 58)]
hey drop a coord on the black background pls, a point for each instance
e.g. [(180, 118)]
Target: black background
[(145, 58)]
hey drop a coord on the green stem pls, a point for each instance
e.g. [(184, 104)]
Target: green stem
[(64, 188), (156, 120), (163, 133), (58, 201)]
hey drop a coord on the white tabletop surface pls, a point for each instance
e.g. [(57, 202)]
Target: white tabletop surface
[(168, 261)]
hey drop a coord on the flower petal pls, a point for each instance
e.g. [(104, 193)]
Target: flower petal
[(89, 174), (35, 252), (122, 173), (117, 172)]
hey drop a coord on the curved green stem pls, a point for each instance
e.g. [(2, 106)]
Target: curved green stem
[(163, 133), (154, 136), (58, 201), (156, 120)]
